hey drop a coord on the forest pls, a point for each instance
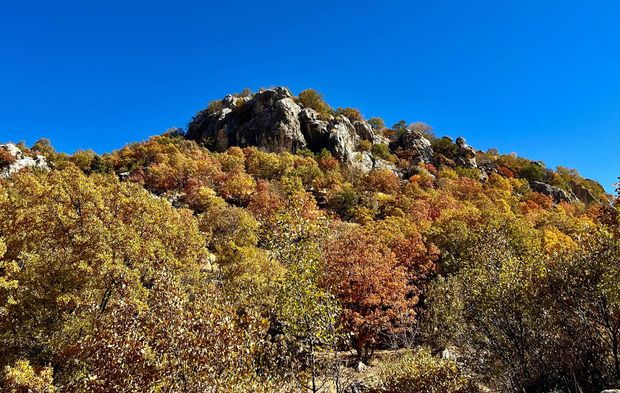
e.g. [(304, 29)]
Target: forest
[(179, 264)]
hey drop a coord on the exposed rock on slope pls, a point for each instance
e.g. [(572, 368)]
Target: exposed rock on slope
[(418, 148), (583, 194), (466, 155), (269, 120), (18, 161), (272, 121), (557, 194)]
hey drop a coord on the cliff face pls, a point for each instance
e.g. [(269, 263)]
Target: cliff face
[(274, 121)]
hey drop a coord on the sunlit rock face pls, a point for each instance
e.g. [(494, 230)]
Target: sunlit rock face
[(13, 160)]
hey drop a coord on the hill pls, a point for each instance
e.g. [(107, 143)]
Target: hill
[(282, 245)]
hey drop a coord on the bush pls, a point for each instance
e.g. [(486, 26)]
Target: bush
[(364, 145), (350, 113), (420, 372), (311, 98), (382, 151), (445, 146), (532, 172), (376, 123), (6, 158)]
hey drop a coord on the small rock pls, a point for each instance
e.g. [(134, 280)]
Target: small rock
[(360, 367), (466, 155)]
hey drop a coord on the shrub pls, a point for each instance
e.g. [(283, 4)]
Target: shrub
[(382, 180), (6, 158), (420, 372), (532, 172), (311, 98), (399, 128), (364, 145), (22, 377), (445, 146), (376, 123), (382, 151), (350, 113)]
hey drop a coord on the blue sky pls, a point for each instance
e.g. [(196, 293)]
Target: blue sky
[(540, 78)]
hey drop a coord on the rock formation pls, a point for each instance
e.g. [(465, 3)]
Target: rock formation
[(466, 155), (273, 121), (583, 194), (19, 161), (557, 194)]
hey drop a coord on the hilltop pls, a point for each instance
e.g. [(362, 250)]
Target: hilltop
[(278, 244)]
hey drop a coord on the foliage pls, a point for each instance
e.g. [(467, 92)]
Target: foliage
[(22, 377), (421, 372), (166, 267), (445, 147), (382, 151), (352, 114), (6, 158), (311, 98), (376, 123), (372, 286)]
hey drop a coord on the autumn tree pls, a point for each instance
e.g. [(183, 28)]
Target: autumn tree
[(371, 286), (311, 98)]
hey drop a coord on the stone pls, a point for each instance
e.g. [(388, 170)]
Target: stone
[(273, 121), (466, 155), (343, 139), (583, 194), (268, 120), (557, 194), (314, 129), (21, 161), (418, 149)]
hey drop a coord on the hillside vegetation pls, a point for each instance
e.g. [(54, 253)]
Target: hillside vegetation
[(260, 253)]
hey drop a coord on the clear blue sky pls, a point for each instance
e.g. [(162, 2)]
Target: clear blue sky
[(540, 78)]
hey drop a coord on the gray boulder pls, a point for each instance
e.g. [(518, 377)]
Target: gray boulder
[(417, 148), (21, 161), (466, 155), (314, 128), (557, 194), (583, 194), (343, 139), (268, 120)]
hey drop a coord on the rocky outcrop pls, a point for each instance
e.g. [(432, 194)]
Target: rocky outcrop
[(583, 194), (273, 121), (19, 161), (268, 120), (557, 194), (416, 143), (466, 155)]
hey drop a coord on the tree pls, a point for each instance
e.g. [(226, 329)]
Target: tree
[(376, 123), (307, 312), (422, 128), (311, 98), (352, 114), (371, 286), (400, 127)]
